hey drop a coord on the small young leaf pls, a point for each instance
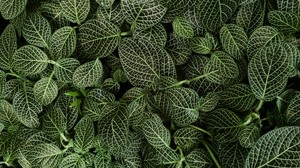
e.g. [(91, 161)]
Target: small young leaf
[(45, 91), (84, 135), (183, 28), (201, 45)]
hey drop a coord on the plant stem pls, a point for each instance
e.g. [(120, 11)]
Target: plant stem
[(126, 33), (202, 130), (211, 153), (261, 102), (17, 76), (63, 137), (2, 163)]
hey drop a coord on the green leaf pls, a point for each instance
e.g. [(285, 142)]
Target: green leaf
[(183, 105), (8, 46), (209, 102), (156, 133), (143, 14), (232, 155), (215, 13), (11, 87), (8, 115), (284, 152), (63, 42), (99, 37), (105, 3), (284, 21), (234, 40), (1, 127), (102, 160), (249, 136), (2, 83), (133, 161), (88, 74), (30, 60), (27, 108), (76, 11), (201, 45), (268, 72), (220, 67), (12, 8), (238, 97), (292, 114), (73, 161), (262, 37), (143, 62), (84, 135), (65, 68), (53, 12), (292, 6), (45, 91), (187, 138), (37, 30), (45, 155), (224, 125), (156, 34), (166, 156), (183, 28), (112, 14), (54, 123), (251, 16), (199, 158)]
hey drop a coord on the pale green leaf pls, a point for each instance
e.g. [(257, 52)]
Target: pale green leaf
[(182, 28), (99, 37), (37, 30), (8, 115), (232, 155), (102, 160), (292, 114), (234, 40), (143, 14), (166, 156), (11, 87), (75, 11), (284, 151), (292, 6), (268, 72), (27, 108), (88, 74), (132, 161), (30, 60), (8, 45), (199, 158), (12, 8), (113, 14), (201, 45), (45, 91), (187, 138), (52, 11), (144, 62), (156, 34), (284, 21), (238, 97), (73, 161), (105, 3), (249, 135), (54, 123), (63, 43), (65, 68), (209, 102), (84, 135)]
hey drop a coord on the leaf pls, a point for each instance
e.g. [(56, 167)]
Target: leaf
[(8, 115), (224, 125), (84, 135), (99, 37), (143, 14), (199, 158), (292, 6), (214, 14), (65, 68), (143, 62), (238, 97), (156, 34), (30, 60), (112, 14), (201, 45), (267, 72), (76, 11), (102, 160), (45, 91), (234, 40), (182, 28), (27, 108), (88, 74), (209, 102), (11, 87), (45, 155), (52, 11), (251, 16), (183, 105), (284, 152), (105, 3), (187, 138), (63, 42), (292, 114), (249, 136), (166, 156), (1, 127), (8, 45), (284, 21), (72, 161), (262, 37), (36, 30), (232, 155), (220, 67), (12, 8), (54, 123)]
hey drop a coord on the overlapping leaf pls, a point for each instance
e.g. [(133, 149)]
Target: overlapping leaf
[(232, 155), (113, 14), (201, 45), (76, 11), (12, 8), (54, 123), (8, 115), (284, 21), (199, 158), (157, 34), (187, 138), (8, 45), (249, 136), (182, 28), (45, 91), (84, 135), (72, 161), (65, 68)]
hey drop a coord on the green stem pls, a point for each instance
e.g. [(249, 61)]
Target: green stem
[(261, 102), (211, 153), (126, 33), (17, 76), (63, 137), (2, 163), (202, 130)]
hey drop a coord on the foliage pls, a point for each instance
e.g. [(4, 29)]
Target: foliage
[(149, 83)]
